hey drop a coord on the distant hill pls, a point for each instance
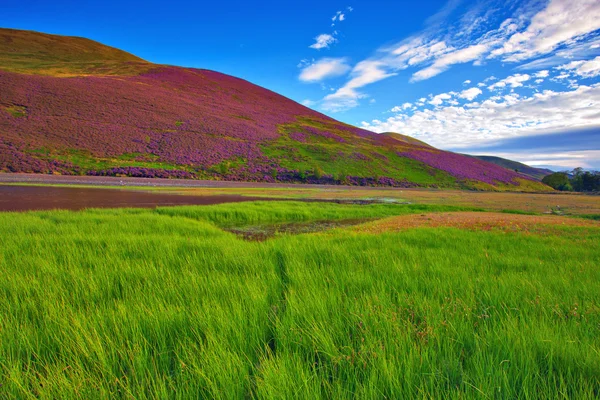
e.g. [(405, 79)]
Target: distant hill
[(537, 173), (74, 106)]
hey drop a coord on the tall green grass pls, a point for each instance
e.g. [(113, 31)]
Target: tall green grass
[(164, 304)]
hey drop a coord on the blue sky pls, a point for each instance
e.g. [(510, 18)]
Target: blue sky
[(518, 79)]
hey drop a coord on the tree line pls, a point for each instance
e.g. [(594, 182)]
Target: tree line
[(577, 180)]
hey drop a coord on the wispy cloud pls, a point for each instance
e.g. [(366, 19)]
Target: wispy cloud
[(444, 62), (562, 22), (557, 29), (324, 69), (347, 96)]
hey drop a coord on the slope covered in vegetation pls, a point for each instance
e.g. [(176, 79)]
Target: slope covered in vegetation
[(74, 106), (537, 173)]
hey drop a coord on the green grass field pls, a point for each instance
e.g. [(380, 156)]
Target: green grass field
[(163, 303)]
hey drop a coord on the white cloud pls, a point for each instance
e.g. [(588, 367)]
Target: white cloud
[(467, 82), (499, 118), (564, 30), (364, 73), (416, 51), (404, 106), (585, 69), (342, 17), (561, 22), (323, 41), (444, 62), (308, 103), (513, 81), (470, 94), (562, 159), (562, 76), (438, 100), (323, 69)]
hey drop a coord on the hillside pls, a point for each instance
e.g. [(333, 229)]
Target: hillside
[(74, 106), (537, 173), (406, 139)]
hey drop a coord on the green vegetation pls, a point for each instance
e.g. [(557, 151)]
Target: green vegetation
[(537, 173), (347, 158), (577, 180), (595, 217), (16, 111), (165, 304), (39, 53), (558, 181), (87, 161)]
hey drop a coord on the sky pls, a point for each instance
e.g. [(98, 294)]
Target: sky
[(515, 79)]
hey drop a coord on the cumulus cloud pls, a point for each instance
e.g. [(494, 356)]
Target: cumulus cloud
[(470, 94), (438, 100), (585, 69), (323, 41), (404, 106), (467, 82), (513, 81), (324, 69), (499, 118)]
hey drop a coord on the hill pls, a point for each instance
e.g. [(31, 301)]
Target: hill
[(74, 106), (406, 139), (39, 53), (537, 173)]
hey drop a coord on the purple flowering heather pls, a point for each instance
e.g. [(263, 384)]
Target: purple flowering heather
[(198, 120), (464, 167), (298, 137)]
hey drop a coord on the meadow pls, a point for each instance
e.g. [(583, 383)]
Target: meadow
[(166, 303)]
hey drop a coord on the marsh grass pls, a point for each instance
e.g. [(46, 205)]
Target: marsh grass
[(164, 304)]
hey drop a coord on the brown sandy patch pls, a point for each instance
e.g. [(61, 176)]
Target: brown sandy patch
[(475, 221)]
